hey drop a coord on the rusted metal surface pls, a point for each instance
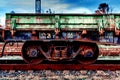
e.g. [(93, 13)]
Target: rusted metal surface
[(59, 50), (105, 50), (110, 21), (14, 49), (59, 67), (109, 50)]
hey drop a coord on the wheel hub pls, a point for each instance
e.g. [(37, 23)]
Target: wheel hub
[(33, 53), (88, 53)]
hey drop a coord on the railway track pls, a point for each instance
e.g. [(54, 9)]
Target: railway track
[(21, 65)]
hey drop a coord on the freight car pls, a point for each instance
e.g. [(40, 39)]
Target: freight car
[(60, 37)]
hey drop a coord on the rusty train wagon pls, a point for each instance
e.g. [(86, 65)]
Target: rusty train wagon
[(60, 37)]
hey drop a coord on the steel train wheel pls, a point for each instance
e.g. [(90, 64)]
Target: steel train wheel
[(31, 53), (87, 53)]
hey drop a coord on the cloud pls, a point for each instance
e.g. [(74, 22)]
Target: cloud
[(78, 10), (55, 5), (21, 10), (2, 21), (13, 5), (115, 10), (60, 7), (24, 4)]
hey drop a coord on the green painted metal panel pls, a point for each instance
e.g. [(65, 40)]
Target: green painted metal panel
[(40, 21), (78, 19), (29, 21), (117, 22), (79, 26), (35, 26), (34, 19)]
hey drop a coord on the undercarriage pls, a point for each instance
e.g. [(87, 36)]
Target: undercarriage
[(35, 52)]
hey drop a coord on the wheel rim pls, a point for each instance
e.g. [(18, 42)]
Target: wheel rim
[(31, 54), (88, 54)]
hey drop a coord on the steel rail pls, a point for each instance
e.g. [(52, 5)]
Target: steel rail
[(59, 67)]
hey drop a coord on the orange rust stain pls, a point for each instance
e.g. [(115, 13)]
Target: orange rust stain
[(109, 51), (11, 50), (16, 50)]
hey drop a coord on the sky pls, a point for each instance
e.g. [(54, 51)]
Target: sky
[(57, 6)]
